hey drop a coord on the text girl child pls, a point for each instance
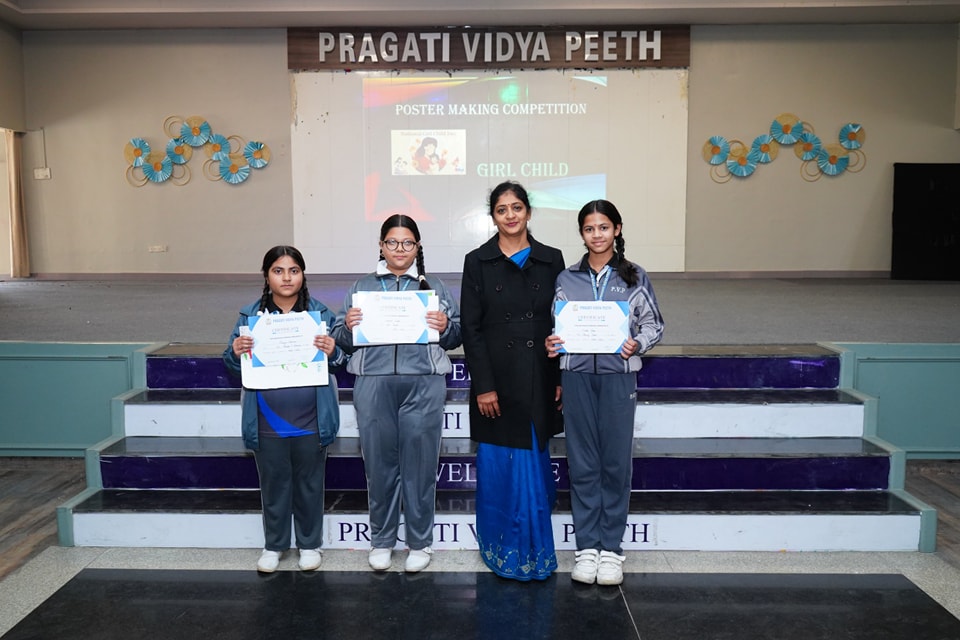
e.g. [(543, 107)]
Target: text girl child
[(288, 429), (399, 395), (600, 394)]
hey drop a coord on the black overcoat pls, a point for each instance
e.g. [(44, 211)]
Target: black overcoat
[(506, 315)]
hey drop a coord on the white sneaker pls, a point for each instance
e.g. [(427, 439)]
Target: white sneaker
[(310, 559), (380, 559), (269, 561), (418, 559), (610, 571), (585, 570)]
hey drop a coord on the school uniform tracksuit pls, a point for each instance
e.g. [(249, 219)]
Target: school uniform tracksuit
[(398, 395), (599, 403)]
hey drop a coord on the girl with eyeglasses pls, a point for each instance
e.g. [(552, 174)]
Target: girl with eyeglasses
[(398, 396)]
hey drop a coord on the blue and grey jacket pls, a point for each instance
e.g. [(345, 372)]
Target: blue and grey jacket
[(394, 359), (646, 324), (328, 405)]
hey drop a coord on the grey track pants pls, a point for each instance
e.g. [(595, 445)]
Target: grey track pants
[(401, 421)]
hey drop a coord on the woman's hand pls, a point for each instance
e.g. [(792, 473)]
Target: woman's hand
[(325, 344), (629, 348), (353, 318), (553, 344), (489, 404), (437, 320)]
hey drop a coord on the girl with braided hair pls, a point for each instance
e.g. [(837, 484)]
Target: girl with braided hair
[(600, 394), (289, 429), (398, 396)]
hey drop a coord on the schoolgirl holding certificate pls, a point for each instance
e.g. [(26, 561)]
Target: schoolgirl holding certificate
[(288, 429), (399, 395), (600, 393)]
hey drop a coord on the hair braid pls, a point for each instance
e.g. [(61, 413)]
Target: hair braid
[(304, 299), (624, 268), (265, 298), (421, 270)]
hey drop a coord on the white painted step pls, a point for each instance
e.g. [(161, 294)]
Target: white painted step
[(667, 420), (644, 532)]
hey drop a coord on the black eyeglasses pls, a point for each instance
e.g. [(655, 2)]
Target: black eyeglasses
[(408, 245)]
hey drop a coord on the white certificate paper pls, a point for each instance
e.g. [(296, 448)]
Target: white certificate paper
[(283, 354), (591, 327), (395, 317)]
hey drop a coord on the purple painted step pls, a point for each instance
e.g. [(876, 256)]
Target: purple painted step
[(687, 465), (233, 501), (707, 367)]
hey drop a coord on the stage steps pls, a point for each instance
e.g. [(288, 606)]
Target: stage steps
[(736, 448)]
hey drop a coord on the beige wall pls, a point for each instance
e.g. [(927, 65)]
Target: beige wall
[(11, 79), (897, 81), (93, 91)]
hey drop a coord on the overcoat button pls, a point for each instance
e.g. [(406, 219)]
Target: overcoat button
[(499, 288), (536, 286), (507, 316), (510, 345), (529, 314), (529, 344)]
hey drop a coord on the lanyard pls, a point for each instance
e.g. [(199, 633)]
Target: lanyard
[(598, 286)]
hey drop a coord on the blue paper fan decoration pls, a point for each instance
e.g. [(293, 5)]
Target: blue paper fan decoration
[(786, 128), (178, 151), (716, 150), (765, 147), (195, 131), (137, 151), (743, 166), (157, 168), (232, 171), (257, 154), (832, 162), (218, 147), (851, 136), (808, 146)]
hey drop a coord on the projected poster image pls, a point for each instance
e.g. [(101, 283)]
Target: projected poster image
[(429, 153), (433, 146), (542, 134)]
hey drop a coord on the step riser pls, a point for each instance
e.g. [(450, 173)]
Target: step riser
[(651, 421), (644, 532), (459, 473), (659, 372)]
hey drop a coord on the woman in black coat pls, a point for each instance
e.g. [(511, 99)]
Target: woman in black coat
[(506, 314)]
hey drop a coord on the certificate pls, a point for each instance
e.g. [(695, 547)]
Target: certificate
[(591, 327), (283, 354), (395, 317)]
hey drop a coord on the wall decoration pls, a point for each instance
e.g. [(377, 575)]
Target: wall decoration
[(731, 158), (229, 158)]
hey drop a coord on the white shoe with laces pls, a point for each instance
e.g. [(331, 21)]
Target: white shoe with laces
[(417, 560), (610, 570), (269, 561), (585, 570), (310, 559)]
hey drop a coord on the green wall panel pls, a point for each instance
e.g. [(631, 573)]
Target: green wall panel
[(917, 387), (56, 396)]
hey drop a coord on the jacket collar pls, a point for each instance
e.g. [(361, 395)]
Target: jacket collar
[(490, 250), (382, 270), (584, 264)]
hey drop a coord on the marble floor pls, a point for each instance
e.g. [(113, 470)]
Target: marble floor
[(212, 593)]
